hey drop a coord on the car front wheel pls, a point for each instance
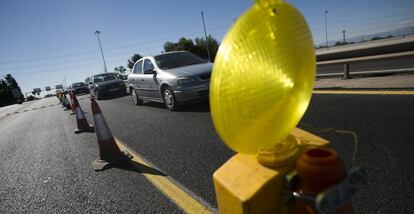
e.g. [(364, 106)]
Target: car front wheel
[(135, 97), (98, 95), (169, 99)]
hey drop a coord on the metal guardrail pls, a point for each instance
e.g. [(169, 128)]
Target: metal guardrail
[(360, 73), (347, 62), (366, 58), (387, 50)]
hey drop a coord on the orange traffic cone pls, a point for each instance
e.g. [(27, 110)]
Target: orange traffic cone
[(109, 152), (82, 123), (66, 102), (60, 97), (72, 103)]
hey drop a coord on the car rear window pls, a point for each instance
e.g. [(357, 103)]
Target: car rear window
[(78, 84), (178, 59), (103, 77)]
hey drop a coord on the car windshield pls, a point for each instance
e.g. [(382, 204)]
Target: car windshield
[(78, 84), (178, 59), (103, 77)]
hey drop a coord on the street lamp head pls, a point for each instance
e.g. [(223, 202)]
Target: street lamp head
[(325, 12), (97, 32)]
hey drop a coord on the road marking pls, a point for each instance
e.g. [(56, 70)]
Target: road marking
[(363, 92), (180, 197)]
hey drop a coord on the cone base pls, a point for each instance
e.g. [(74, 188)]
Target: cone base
[(89, 129), (100, 165)]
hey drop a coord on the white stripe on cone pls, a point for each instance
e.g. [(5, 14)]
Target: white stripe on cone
[(72, 102), (66, 101), (79, 113), (102, 130)]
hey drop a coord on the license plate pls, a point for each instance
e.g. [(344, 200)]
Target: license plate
[(113, 89)]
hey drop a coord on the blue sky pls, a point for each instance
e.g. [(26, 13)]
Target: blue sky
[(49, 42)]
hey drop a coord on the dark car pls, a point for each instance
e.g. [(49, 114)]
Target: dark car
[(80, 88), (106, 84)]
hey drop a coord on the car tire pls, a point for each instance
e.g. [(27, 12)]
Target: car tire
[(123, 93), (98, 95), (135, 97), (169, 99)]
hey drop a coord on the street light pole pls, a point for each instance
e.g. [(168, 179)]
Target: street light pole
[(343, 32), (100, 46), (205, 35), (325, 12)]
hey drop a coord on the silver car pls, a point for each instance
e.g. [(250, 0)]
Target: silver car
[(173, 78)]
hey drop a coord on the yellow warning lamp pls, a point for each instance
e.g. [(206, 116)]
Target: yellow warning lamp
[(263, 77)]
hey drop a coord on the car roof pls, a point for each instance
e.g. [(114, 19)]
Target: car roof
[(170, 52), (103, 74)]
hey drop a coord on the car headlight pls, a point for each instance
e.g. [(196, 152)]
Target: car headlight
[(184, 80)]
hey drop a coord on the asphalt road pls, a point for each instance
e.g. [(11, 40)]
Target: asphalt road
[(384, 125), (47, 168)]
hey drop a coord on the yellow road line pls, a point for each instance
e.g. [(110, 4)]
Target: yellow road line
[(363, 92), (166, 186)]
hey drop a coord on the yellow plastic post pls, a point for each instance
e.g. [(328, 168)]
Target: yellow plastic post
[(261, 85), (263, 77), (250, 184)]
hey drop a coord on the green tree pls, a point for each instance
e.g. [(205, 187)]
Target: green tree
[(170, 46), (198, 46), (120, 69), (201, 49), (377, 38), (12, 83), (30, 98), (339, 43), (183, 44), (133, 59), (6, 96), (10, 92)]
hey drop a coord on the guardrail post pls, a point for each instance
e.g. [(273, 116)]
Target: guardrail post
[(346, 71)]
